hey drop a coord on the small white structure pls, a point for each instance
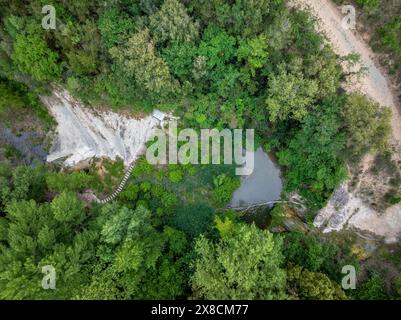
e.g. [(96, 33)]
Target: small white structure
[(159, 115)]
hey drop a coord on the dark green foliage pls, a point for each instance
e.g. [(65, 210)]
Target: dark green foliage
[(313, 156), (180, 58), (193, 219), (114, 27), (137, 261), (18, 102), (307, 251), (215, 63), (23, 183), (318, 255), (391, 35), (372, 289)]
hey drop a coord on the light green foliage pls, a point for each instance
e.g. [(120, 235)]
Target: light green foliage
[(75, 181), (243, 265), (224, 188), (278, 215), (130, 193), (175, 176), (225, 226), (66, 207), (307, 285), (32, 56), (254, 52), (324, 68), (122, 223), (141, 62), (290, 95), (172, 23), (368, 125), (168, 200), (114, 27), (34, 238)]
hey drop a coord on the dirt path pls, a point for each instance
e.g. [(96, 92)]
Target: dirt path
[(346, 209), (375, 83)]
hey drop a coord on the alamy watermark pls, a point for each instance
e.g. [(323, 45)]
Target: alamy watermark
[(349, 280), (49, 280), (187, 147), (49, 20), (349, 20)]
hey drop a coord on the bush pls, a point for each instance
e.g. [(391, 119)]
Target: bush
[(224, 188), (175, 176), (193, 219), (372, 289)]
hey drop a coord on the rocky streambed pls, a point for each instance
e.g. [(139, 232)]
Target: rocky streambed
[(346, 210)]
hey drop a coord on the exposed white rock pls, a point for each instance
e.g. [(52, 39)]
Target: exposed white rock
[(346, 210), (83, 133)]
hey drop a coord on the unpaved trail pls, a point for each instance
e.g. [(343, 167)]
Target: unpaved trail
[(375, 82), (346, 209)]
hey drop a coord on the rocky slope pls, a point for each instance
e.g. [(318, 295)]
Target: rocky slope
[(84, 134)]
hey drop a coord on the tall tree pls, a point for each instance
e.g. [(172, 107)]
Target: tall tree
[(313, 159), (172, 23), (33, 56), (290, 94), (368, 125), (304, 284), (244, 264), (140, 60)]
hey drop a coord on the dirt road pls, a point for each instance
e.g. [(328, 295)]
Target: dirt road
[(346, 209), (375, 83)]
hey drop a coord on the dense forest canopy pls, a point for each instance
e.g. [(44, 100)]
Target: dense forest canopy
[(216, 64)]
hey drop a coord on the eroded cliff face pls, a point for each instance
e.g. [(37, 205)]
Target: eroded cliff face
[(347, 210), (83, 133), (352, 208)]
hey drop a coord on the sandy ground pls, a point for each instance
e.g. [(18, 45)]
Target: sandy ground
[(83, 134), (346, 209)]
